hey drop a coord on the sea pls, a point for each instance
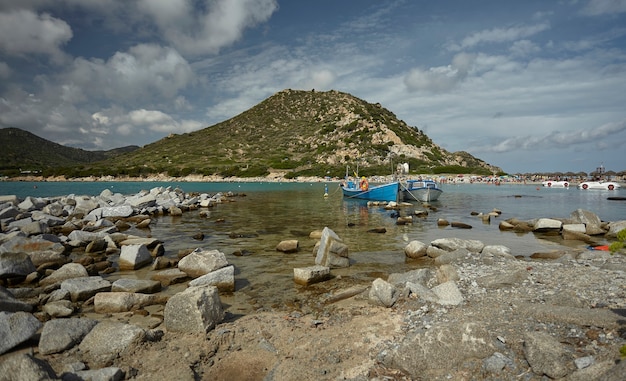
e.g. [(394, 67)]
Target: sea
[(262, 214)]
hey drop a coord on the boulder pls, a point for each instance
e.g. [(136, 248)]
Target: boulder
[(58, 308), (497, 251), (223, 279), (170, 276), (451, 244), (9, 303), (546, 355), (421, 276), (133, 257), (200, 262), (25, 367), (144, 286), (16, 328), (593, 224), (288, 246), (195, 310), (415, 249), (311, 274), (107, 340), (448, 294), (110, 373), (615, 227), (383, 293), (545, 224), (332, 252), (67, 271), (21, 244), (85, 288), (111, 302), (59, 335), (15, 265)]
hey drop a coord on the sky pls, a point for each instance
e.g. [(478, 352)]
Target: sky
[(529, 86)]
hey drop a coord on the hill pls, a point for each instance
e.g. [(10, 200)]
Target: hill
[(296, 133), (29, 153), (299, 133)]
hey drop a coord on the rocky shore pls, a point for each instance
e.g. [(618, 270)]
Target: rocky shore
[(473, 312)]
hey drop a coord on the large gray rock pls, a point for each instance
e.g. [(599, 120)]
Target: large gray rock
[(15, 265), (9, 303), (498, 251), (546, 355), (30, 245), (593, 224), (67, 271), (110, 373), (107, 340), (16, 328), (445, 346), (195, 310), (332, 252), (383, 293), (111, 302), (421, 276), (143, 286), (85, 288), (452, 244), (448, 294), (200, 262), (311, 274), (615, 227), (21, 367), (415, 249), (133, 257), (62, 334), (546, 224), (223, 279)]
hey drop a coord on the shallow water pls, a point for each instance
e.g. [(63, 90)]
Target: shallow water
[(271, 212)]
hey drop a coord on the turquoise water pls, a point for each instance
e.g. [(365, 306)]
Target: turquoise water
[(271, 212)]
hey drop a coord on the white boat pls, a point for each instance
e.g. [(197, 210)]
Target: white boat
[(421, 190), (603, 185), (556, 184)]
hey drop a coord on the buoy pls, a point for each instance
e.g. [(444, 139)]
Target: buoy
[(600, 248)]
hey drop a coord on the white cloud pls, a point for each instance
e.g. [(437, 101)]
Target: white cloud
[(209, 28), (441, 78), (140, 122), (24, 32), (601, 7), (145, 72), (498, 35)]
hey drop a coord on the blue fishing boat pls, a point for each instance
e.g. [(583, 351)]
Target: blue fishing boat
[(421, 190), (362, 190)]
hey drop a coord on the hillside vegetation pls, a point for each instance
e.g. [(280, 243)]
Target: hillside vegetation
[(297, 133)]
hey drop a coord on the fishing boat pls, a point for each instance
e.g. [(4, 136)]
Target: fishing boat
[(421, 190), (362, 190)]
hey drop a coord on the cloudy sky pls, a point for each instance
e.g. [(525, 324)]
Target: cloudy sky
[(529, 85)]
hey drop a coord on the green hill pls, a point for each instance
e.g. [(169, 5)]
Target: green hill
[(307, 133), (25, 152)]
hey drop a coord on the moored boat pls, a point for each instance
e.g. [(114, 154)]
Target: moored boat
[(603, 185), (421, 190), (556, 184), (362, 190)]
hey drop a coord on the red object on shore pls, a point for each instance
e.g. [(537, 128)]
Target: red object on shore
[(602, 247)]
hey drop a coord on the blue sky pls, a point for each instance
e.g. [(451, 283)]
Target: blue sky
[(529, 86)]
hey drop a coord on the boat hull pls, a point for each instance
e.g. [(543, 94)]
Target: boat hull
[(385, 192), (555, 184), (423, 194), (418, 190), (602, 185)]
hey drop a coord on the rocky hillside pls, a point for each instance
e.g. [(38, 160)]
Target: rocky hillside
[(296, 133), (299, 133)]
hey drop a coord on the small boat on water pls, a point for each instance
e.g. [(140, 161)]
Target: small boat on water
[(603, 185), (421, 190), (556, 184), (362, 190)]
